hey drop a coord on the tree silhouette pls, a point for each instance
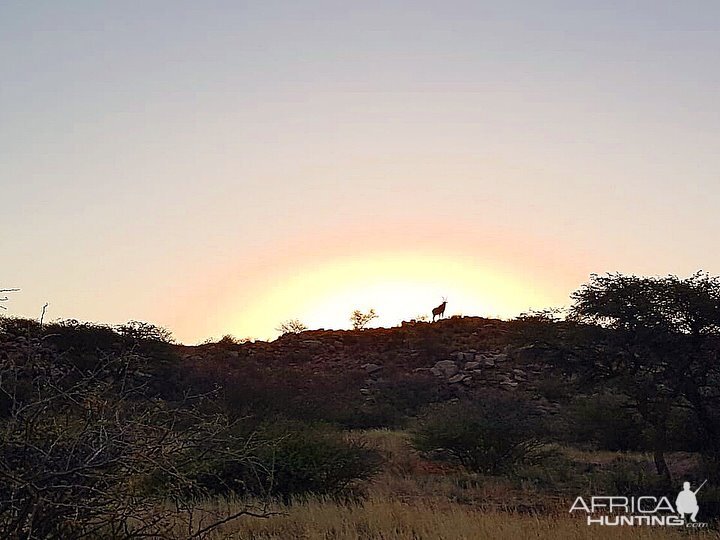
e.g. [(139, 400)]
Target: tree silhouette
[(656, 339), (360, 320), (292, 326)]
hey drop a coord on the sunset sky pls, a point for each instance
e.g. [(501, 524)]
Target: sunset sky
[(221, 166)]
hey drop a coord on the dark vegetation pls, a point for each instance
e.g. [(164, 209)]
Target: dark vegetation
[(114, 432)]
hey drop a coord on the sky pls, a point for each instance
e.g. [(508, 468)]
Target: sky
[(219, 167)]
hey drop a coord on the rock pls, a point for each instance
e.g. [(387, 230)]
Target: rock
[(371, 368), (435, 371), (365, 391), (465, 356), (469, 366), (447, 367), (489, 362), (457, 378)]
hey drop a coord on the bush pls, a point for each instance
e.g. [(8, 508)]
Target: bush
[(627, 476), (292, 326), (317, 459), (300, 459), (605, 421), (493, 435), (93, 453), (142, 331)]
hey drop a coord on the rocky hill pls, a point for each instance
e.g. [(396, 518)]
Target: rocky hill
[(455, 357)]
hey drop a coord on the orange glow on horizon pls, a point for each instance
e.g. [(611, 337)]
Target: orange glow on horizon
[(399, 286)]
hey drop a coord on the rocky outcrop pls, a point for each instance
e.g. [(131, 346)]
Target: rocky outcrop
[(494, 368)]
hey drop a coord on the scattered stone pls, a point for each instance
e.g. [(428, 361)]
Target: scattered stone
[(471, 365), (446, 367), (457, 378)]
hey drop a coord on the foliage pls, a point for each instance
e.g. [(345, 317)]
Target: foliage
[(360, 320), (292, 326), (142, 331), (302, 459), (228, 340), (629, 477), (92, 450), (606, 420), (492, 435), (659, 348)]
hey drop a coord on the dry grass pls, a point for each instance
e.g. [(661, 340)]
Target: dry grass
[(380, 518), (416, 499)]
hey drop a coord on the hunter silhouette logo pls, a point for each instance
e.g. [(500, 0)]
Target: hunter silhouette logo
[(686, 502), (615, 511)]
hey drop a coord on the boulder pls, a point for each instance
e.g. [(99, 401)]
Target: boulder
[(446, 367)]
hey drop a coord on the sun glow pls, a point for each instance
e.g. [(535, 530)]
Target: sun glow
[(399, 286)]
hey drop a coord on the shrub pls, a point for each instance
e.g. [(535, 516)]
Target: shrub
[(85, 454), (493, 435), (292, 326), (142, 331), (606, 421), (627, 476), (301, 459), (360, 320)]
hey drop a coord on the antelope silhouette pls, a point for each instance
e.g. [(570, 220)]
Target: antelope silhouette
[(440, 310)]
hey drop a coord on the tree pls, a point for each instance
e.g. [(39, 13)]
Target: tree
[(360, 320), (657, 339), (292, 326)]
